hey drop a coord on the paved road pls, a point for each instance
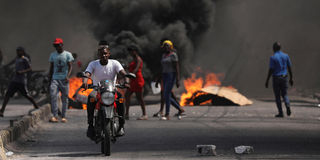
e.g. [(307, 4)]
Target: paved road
[(15, 109), (295, 137)]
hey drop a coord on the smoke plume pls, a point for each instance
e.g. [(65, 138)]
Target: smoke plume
[(233, 37), (145, 22), (35, 24), (240, 43)]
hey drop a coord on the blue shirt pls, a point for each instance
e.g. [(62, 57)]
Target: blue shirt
[(60, 64), (279, 62)]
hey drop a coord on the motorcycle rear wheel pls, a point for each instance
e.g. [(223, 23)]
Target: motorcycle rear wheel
[(105, 144)]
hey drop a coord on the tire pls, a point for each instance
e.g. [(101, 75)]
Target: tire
[(105, 144)]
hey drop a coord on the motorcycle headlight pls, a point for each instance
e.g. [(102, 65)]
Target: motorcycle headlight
[(107, 98)]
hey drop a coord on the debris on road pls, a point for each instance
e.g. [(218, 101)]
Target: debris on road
[(243, 149), (9, 153), (206, 150)]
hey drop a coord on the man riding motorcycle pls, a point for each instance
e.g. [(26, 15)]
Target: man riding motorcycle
[(104, 69)]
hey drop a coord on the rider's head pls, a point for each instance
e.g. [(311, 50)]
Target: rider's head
[(58, 45), (103, 50), (20, 51)]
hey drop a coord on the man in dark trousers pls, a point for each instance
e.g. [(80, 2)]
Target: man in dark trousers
[(19, 81), (279, 66)]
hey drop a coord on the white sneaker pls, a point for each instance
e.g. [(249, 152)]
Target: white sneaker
[(143, 118), (163, 118)]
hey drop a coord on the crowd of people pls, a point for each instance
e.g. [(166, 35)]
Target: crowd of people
[(63, 62)]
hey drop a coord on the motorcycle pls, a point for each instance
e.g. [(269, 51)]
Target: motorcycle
[(106, 119)]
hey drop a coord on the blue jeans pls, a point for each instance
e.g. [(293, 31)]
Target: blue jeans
[(280, 88), (55, 87), (168, 83)]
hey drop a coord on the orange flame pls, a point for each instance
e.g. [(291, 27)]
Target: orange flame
[(194, 84), (74, 85)]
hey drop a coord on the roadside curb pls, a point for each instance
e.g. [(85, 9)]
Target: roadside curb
[(12, 133)]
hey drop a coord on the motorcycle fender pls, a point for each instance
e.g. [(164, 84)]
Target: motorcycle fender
[(109, 111)]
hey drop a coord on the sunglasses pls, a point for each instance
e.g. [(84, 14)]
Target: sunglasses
[(57, 45)]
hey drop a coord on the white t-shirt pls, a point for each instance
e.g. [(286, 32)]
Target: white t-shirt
[(104, 72)]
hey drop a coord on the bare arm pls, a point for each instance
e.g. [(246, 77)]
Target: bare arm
[(268, 77), (25, 70), (51, 70), (11, 62), (123, 74), (85, 80), (177, 74), (69, 70)]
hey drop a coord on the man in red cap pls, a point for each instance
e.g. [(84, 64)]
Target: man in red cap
[(60, 70)]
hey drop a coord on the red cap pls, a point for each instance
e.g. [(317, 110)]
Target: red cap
[(58, 41)]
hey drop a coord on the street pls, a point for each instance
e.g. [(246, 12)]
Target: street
[(295, 137)]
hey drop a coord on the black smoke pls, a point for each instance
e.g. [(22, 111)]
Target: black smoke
[(240, 43), (145, 22), (35, 24)]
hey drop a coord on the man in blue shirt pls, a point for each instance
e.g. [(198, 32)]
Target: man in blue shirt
[(279, 66), (60, 70)]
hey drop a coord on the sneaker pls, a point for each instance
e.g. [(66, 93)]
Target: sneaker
[(53, 120), (279, 116), (64, 120), (145, 117), (91, 132), (165, 118), (181, 111), (120, 132), (288, 111)]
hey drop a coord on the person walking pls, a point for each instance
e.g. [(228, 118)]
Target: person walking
[(170, 75), (279, 66), (173, 100), (19, 81), (60, 70), (136, 85)]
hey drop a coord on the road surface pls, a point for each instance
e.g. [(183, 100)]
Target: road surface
[(295, 137)]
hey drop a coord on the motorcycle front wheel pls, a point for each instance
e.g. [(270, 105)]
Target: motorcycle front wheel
[(105, 144)]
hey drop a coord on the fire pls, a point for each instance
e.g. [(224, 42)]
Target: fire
[(194, 84), (74, 85)]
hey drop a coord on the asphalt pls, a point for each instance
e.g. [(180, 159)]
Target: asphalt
[(294, 137), (19, 117)]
